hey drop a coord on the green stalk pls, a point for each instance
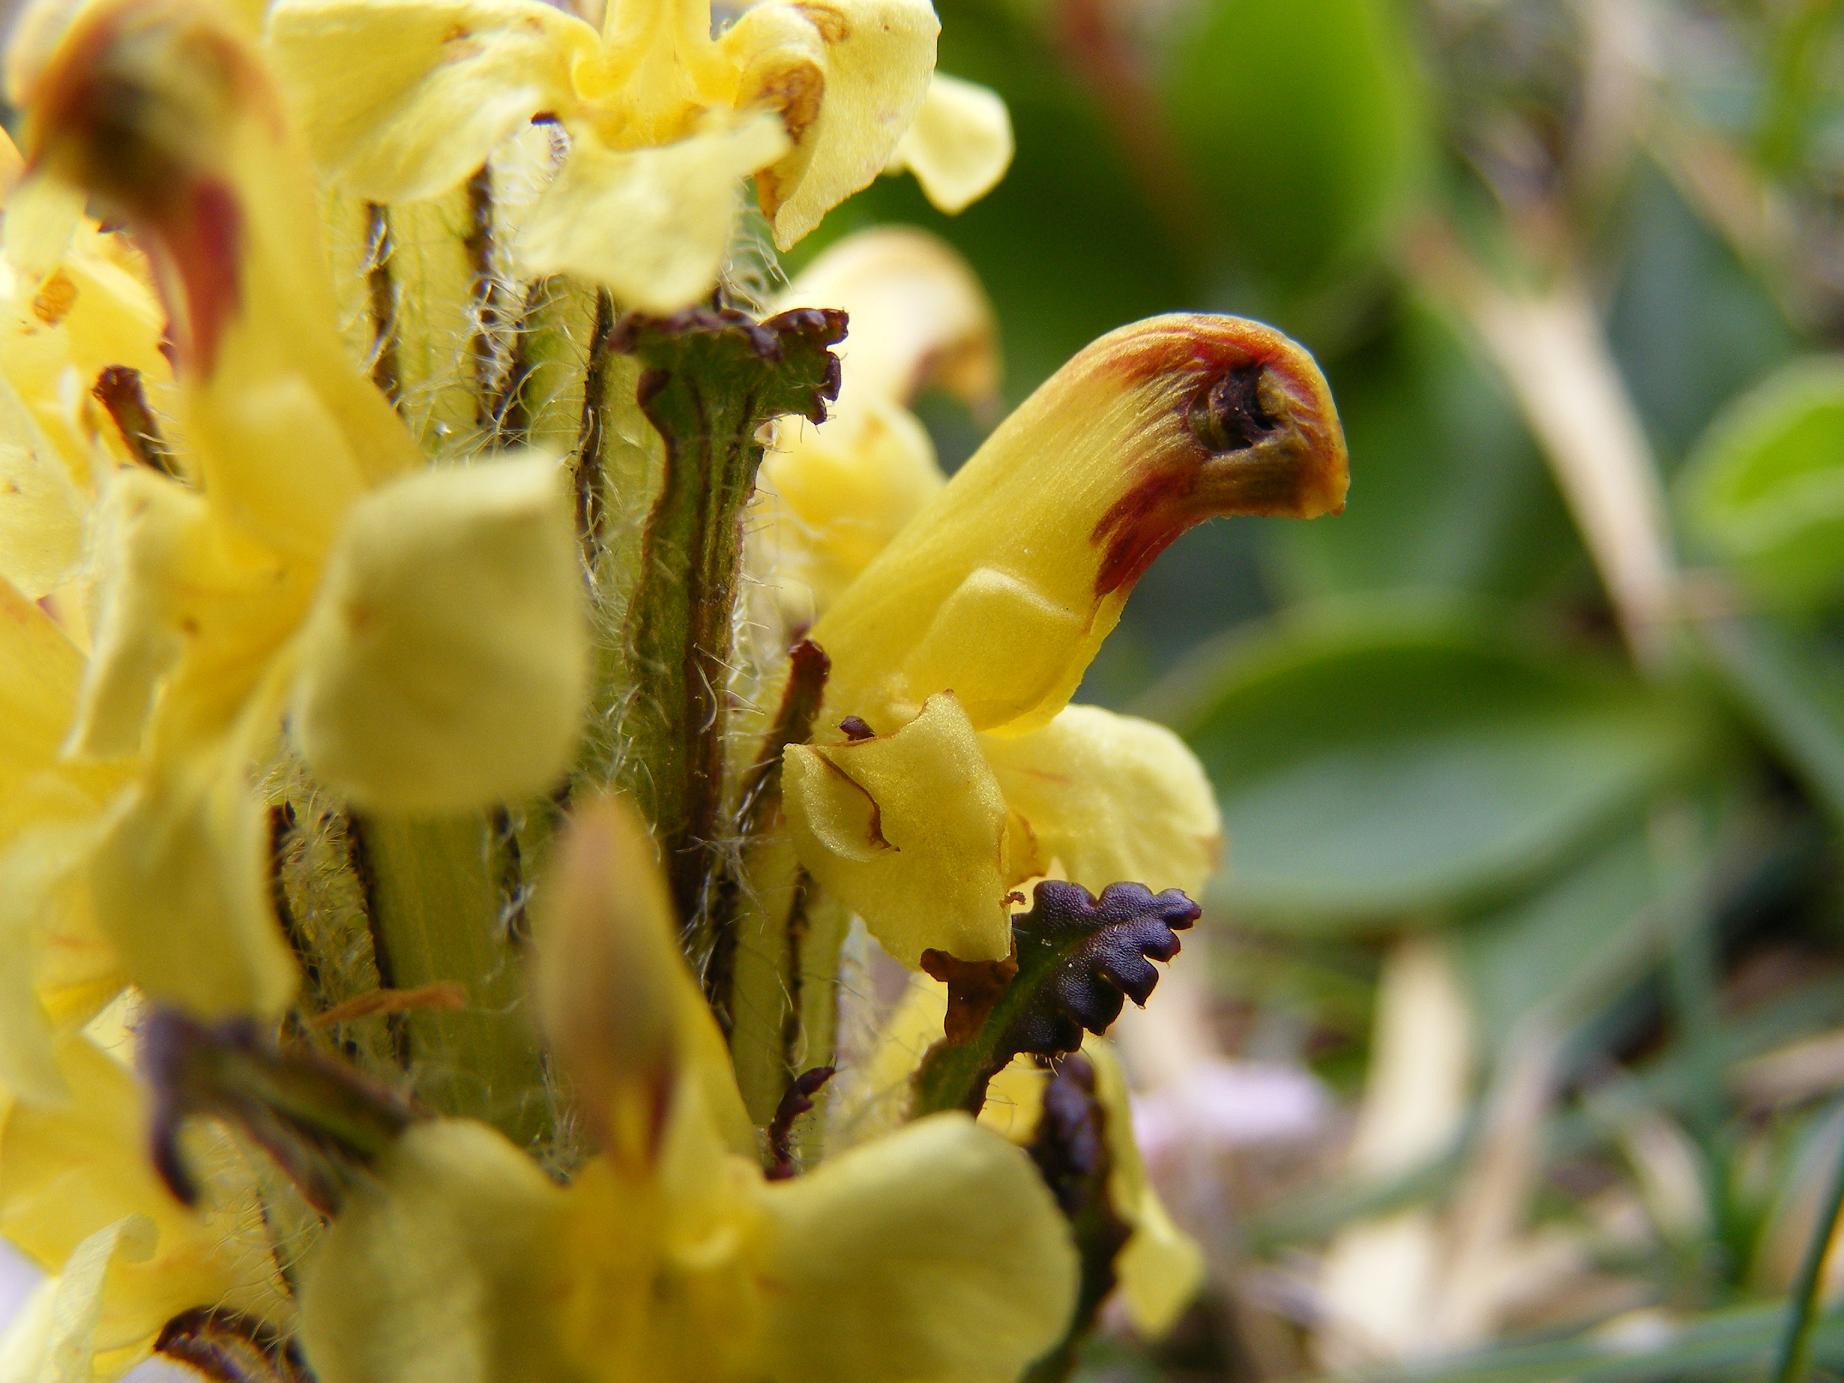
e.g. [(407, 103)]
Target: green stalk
[(710, 381), (435, 890)]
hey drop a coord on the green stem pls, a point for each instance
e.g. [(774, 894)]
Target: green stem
[(1794, 1355), (435, 892), (711, 381)]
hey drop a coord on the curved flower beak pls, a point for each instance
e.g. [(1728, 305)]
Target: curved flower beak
[(1006, 585)]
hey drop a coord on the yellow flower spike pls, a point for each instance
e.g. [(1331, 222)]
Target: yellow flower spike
[(909, 830), (1111, 797), (1004, 587), (78, 1170), (834, 495), (616, 1002), (960, 144), (446, 662)]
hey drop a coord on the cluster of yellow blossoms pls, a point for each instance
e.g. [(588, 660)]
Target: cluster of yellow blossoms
[(402, 761)]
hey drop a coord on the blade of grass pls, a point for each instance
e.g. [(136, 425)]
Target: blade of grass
[(1795, 1352)]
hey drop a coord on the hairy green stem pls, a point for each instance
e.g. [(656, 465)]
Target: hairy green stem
[(435, 890), (711, 381)]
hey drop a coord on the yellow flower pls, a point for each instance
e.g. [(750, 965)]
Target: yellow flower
[(404, 99), (957, 648), (80, 1197), (422, 628), (931, 1255)]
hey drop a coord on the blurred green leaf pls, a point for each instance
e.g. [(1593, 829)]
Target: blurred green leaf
[(1448, 488), (1564, 946), (1380, 763), (1792, 693), (1307, 137), (1689, 322), (1765, 489)]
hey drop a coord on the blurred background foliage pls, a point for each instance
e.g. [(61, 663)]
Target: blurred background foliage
[(1515, 1049)]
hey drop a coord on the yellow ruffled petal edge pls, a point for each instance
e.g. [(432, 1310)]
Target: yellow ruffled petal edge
[(652, 224), (1111, 798), (932, 1255), (960, 144), (908, 829), (848, 78), (402, 101)]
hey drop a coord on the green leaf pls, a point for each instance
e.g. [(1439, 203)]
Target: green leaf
[(1376, 764), (1792, 692), (1451, 490), (1308, 135), (1765, 489), (1564, 946)]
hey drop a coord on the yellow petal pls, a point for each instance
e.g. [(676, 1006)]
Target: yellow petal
[(60, 970), (42, 510), (403, 99), (834, 496), (446, 664), (182, 600), (53, 1339), (40, 671), (847, 78), (960, 144), (1112, 798), (624, 1017), (1004, 587), (1160, 1267), (450, 1266), (652, 224), (935, 1255), (91, 308), (181, 890), (909, 831), (76, 1169)]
